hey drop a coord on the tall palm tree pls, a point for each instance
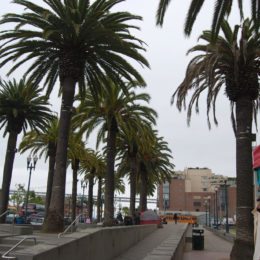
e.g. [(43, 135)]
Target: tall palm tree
[(76, 153), (233, 65), (43, 142), (89, 167), (21, 106), (77, 42), (154, 167), (114, 109), (221, 10), (129, 142)]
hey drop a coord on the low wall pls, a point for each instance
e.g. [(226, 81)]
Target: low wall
[(95, 244), (172, 248), (16, 229)]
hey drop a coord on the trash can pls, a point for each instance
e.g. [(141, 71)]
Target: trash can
[(197, 239)]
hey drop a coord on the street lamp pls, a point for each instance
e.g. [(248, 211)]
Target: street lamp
[(206, 206), (83, 186), (209, 212), (216, 191), (102, 202), (31, 163), (226, 204)]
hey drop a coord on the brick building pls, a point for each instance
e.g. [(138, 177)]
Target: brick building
[(184, 194)]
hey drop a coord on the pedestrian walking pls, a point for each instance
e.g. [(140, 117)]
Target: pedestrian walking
[(175, 217)]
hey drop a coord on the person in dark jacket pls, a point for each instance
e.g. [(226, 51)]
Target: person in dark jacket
[(175, 217)]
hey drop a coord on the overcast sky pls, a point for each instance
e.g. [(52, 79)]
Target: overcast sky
[(194, 146)]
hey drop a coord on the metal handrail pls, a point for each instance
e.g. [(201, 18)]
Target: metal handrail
[(4, 213), (5, 255), (70, 226)]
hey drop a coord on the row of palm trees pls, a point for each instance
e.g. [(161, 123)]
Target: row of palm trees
[(132, 119), (229, 61), (84, 45)]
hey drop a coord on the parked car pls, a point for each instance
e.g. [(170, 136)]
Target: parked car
[(37, 219), (11, 218), (230, 221)]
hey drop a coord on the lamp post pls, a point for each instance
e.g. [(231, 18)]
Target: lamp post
[(206, 207), (102, 201), (164, 204), (226, 204), (214, 212), (31, 163), (83, 186), (216, 191), (209, 213)]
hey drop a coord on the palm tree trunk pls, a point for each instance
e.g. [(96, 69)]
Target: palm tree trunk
[(109, 181), (7, 174), (243, 248), (133, 165), (54, 222), (90, 193), (143, 191), (74, 189), (99, 198), (50, 180)]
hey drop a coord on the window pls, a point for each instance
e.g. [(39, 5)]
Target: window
[(166, 195), (166, 187), (197, 204), (204, 177), (205, 189)]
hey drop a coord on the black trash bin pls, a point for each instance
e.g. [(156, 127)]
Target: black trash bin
[(197, 239)]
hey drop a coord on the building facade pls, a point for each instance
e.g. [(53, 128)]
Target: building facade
[(197, 190)]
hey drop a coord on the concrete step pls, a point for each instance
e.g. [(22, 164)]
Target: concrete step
[(16, 229), (5, 247)]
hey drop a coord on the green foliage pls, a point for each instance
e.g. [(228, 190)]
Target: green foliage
[(21, 105), (18, 197), (231, 63), (222, 9), (33, 198), (125, 211), (72, 39)]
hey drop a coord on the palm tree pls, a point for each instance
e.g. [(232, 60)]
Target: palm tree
[(44, 142), (114, 109), (77, 42), (21, 106), (129, 142), (221, 10), (76, 153), (154, 167), (235, 66), (89, 167)]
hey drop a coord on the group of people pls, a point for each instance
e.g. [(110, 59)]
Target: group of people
[(128, 220)]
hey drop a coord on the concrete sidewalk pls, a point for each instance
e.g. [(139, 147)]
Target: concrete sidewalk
[(215, 248), (149, 243)]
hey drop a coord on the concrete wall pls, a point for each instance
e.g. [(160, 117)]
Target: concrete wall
[(105, 244)]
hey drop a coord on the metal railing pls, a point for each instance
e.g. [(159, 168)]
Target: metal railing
[(5, 255), (4, 213), (70, 226), (12, 226)]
